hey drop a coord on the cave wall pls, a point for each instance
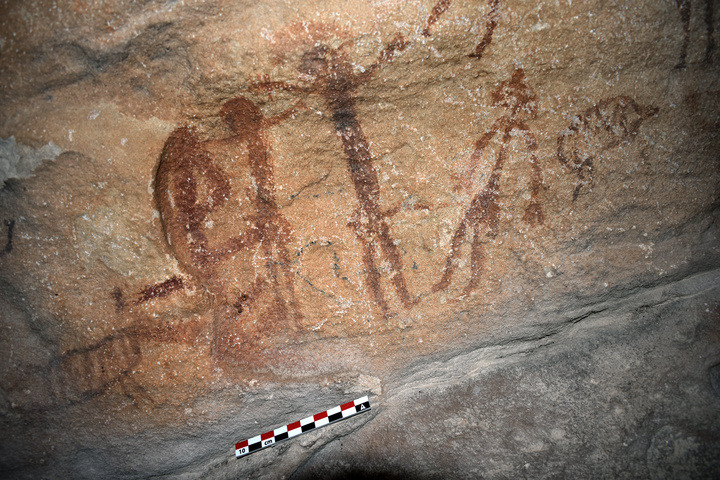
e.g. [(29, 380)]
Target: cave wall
[(498, 219)]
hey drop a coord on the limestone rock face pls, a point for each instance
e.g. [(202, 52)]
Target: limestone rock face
[(499, 219)]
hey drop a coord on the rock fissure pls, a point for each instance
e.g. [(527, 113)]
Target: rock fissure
[(552, 335)]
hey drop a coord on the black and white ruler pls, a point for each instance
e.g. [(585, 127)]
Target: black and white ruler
[(294, 429)]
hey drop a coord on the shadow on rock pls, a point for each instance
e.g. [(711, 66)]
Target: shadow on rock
[(356, 474)]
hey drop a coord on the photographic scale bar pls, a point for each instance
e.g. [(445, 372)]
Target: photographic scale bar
[(294, 429)]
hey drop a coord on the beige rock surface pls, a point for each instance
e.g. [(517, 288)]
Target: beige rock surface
[(264, 208)]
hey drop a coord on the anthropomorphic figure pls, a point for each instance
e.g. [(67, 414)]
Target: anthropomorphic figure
[(332, 76), (519, 100), (249, 300), (270, 298)]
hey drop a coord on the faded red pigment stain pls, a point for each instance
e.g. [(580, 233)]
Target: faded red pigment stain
[(599, 128), (435, 14), (81, 374), (87, 372), (298, 36), (336, 82), (491, 21), (516, 96)]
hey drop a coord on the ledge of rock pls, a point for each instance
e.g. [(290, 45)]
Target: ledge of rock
[(498, 219)]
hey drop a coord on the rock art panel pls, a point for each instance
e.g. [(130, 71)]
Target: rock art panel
[(225, 221), (262, 205), (246, 257)]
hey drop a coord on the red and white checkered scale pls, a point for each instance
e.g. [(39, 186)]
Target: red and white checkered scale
[(294, 429)]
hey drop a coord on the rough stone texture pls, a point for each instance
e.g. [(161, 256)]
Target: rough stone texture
[(497, 218), (19, 161)]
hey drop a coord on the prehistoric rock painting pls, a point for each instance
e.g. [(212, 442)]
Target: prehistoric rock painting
[(335, 81), (90, 371), (194, 189), (435, 14), (10, 224), (80, 374), (189, 187), (597, 129), (519, 99), (490, 24), (149, 292), (268, 229), (685, 8)]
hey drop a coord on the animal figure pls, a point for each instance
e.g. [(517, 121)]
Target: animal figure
[(596, 130)]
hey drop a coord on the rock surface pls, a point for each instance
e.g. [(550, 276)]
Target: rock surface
[(497, 218)]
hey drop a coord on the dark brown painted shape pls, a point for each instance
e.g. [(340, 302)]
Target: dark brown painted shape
[(685, 10), (160, 290), (10, 224), (117, 295), (709, 30), (516, 96), (336, 82)]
